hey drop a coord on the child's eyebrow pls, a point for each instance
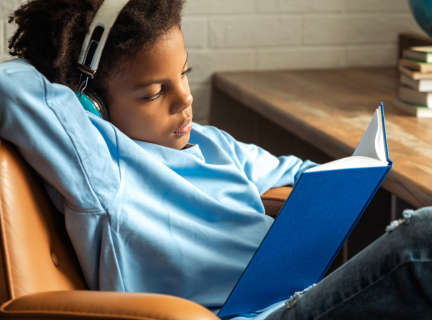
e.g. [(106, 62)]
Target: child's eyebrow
[(153, 81)]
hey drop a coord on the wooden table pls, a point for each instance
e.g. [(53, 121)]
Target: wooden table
[(330, 109)]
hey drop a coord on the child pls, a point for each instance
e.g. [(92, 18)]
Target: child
[(152, 202)]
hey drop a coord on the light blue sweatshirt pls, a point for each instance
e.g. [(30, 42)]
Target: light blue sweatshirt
[(143, 217)]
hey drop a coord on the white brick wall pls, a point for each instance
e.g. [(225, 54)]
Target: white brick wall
[(290, 34), (380, 5), (355, 28), (279, 6), (254, 31), (231, 35), (6, 7), (299, 58)]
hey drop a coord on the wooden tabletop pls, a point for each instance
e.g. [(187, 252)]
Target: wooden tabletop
[(331, 110)]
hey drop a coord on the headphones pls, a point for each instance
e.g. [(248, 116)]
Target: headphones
[(91, 52)]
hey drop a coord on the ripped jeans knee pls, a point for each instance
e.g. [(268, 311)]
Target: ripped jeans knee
[(293, 299), (407, 214)]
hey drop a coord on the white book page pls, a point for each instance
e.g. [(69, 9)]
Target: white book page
[(370, 152), (372, 143), (349, 163)]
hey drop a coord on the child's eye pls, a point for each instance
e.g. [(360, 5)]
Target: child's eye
[(157, 95), (188, 70)]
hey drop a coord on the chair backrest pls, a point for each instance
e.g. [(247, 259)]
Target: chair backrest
[(36, 253)]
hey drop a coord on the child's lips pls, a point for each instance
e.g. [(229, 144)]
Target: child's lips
[(185, 128)]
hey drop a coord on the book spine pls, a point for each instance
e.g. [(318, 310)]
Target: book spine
[(412, 110), (425, 68), (409, 64), (415, 97), (384, 132), (419, 85), (409, 82), (418, 66), (420, 56)]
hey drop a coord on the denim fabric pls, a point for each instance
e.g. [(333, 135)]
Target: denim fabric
[(390, 279)]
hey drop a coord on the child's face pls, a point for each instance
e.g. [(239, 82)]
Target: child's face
[(149, 97)]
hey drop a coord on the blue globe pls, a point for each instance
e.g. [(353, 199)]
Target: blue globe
[(422, 11)]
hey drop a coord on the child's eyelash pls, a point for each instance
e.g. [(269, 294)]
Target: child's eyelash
[(188, 70), (157, 95)]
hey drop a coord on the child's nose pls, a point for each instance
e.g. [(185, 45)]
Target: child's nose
[(182, 99)]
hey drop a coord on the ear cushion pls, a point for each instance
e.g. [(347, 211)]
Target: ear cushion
[(98, 102), (88, 104)]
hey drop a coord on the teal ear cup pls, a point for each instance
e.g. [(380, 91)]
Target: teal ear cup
[(87, 103), (92, 103)]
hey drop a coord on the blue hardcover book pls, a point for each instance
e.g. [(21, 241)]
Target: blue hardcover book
[(311, 228)]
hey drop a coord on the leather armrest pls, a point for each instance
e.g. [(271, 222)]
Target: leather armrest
[(274, 199), (103, 305)]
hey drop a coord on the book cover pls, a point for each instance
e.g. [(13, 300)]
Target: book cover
[(311, 228), (416, 65), (423, 49), (414, 96), (423, 54), (423, 85), (417, 111), (413, 74)]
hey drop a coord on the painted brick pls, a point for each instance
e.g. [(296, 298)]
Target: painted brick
[(6, 29), (254, 31), (4, 57), (195, 32), (371, 56), (10, 29), (299, 5), (300, 58), (194, 7), (205, 63), (7, 6), (357, 28), (201, 101), (378, 5)]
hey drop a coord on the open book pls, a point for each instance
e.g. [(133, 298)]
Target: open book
[(312, 226), (370, 152)]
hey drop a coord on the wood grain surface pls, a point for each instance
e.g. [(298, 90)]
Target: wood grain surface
[(331, 109)]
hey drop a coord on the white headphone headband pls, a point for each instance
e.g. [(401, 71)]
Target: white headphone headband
[(105, 17)]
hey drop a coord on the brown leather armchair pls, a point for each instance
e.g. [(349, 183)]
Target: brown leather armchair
[(39, 273)]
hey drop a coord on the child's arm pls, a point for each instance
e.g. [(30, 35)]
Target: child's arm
[(266, 170), (262, 168), (55, 135)]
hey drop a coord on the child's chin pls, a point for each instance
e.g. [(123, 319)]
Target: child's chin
[(181, 141)]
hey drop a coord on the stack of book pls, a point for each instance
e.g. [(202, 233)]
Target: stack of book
[(415, 89)]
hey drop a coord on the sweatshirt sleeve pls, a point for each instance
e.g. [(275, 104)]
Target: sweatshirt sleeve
[(58, 138), (265, 170)]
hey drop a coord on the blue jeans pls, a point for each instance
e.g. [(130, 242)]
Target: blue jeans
[(390, 279)]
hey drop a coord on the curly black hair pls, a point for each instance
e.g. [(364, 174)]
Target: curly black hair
[(50, 34)]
